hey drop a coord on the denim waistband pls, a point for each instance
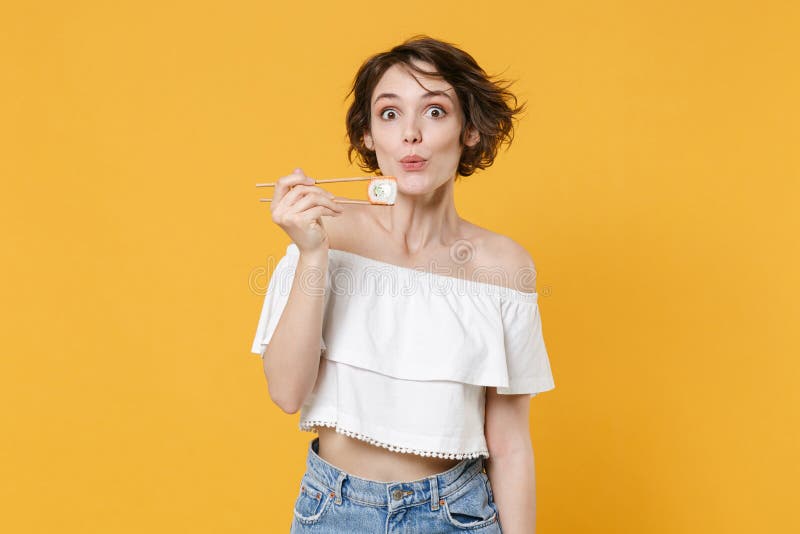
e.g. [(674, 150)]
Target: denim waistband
[(390, 494)]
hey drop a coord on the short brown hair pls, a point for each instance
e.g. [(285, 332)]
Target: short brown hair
[(484, 101)]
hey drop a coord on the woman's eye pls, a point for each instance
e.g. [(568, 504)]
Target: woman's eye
[(385, 111), (437, 112)]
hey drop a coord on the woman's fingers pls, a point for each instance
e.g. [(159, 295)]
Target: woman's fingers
[(285, 183), (299, 191), (307, 198), (298, 206), (312, 214), (313, 199)]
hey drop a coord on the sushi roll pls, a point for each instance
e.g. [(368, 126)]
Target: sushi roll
[(382, 190)]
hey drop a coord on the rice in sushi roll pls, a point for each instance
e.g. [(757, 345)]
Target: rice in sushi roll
[(382, 190)]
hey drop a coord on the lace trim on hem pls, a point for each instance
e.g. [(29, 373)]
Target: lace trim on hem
[(311, 426)]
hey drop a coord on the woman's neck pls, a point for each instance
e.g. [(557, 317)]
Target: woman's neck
[(421, 222)]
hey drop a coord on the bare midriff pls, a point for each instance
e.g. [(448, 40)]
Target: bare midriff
[(372, 462)]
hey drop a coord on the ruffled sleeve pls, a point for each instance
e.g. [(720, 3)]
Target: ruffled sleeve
[(280, 285), (526, 355)]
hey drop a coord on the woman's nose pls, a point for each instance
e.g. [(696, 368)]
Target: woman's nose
[(412, 133)]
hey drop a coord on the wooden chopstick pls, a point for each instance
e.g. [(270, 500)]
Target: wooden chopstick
[(330, 180), (339, 200)]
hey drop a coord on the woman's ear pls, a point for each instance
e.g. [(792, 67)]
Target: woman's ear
[(368, 141), (472, 137)]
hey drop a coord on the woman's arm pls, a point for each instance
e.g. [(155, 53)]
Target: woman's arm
[(291, 359), (510, 466)]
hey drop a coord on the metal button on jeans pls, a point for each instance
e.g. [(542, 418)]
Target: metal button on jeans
[(397, 495)]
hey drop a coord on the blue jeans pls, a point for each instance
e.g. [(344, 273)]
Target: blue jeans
[(333, 501)]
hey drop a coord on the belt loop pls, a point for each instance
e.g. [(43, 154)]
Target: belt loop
[(338, 488), (434, 482)]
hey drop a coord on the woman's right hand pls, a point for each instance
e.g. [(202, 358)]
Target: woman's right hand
[(297, 206)]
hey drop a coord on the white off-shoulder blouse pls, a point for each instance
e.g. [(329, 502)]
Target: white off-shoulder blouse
[(406, 354)]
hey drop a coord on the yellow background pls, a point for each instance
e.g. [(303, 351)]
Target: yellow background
[(654, 179)]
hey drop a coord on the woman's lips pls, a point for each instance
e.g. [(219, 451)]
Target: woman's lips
[(413, 165)]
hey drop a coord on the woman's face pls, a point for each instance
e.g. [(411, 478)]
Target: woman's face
[(409, 120)]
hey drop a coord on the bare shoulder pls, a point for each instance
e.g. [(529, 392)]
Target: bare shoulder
[(341, 228), (498, 252)]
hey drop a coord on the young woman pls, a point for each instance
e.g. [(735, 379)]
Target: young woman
[(380, 326)]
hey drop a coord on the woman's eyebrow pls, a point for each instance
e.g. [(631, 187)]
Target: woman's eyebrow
[(429, 94)]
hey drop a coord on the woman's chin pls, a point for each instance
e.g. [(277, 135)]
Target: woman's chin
[(416, 183), (412, 184)]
